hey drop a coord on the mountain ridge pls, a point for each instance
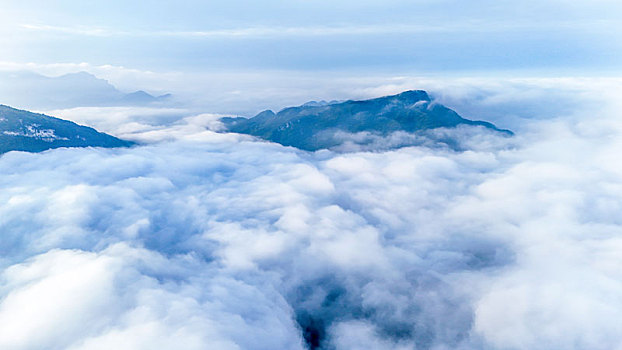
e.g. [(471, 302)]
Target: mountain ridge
[(21, 130), (316, 126)]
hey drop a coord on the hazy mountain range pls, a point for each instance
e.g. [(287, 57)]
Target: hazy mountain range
[(31, 90)]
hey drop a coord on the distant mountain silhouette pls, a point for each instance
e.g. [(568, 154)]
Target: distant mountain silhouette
[(318, 125), (70, 90), (25, 131)]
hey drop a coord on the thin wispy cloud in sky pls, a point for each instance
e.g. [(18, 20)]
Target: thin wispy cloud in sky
[(279, 31), (250, 32)]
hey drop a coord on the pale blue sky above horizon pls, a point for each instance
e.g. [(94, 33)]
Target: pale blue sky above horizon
[(360, 38), (306, 35)]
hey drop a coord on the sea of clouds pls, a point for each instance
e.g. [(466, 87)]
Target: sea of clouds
[(199, 239)]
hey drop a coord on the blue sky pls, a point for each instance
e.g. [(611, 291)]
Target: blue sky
[(317, 35)]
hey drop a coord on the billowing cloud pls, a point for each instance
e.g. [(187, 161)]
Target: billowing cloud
[(199, 239)]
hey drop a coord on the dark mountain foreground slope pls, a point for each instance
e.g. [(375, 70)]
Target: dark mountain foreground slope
[(316, 126), (26, 131)]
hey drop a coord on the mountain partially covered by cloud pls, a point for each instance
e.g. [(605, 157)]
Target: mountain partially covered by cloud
[(26, 131), (407, 117), (35, 91), (202, 239)]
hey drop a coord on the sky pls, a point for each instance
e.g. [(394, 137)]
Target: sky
[(295, 49), (311, 35)]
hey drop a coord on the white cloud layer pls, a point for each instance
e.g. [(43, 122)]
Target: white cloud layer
[(202, 240)]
